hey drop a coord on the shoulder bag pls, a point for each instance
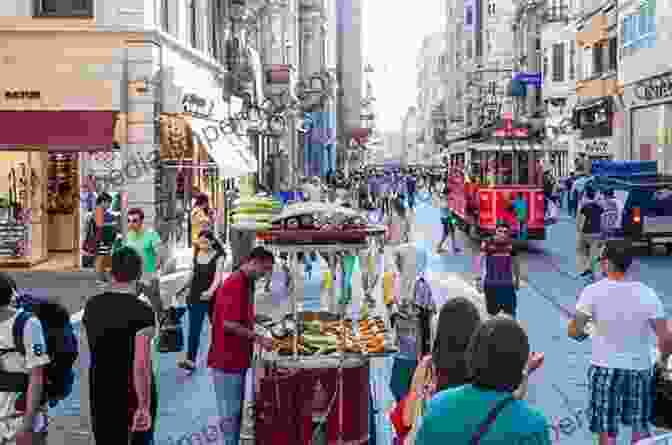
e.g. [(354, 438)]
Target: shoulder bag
[(484, 427)]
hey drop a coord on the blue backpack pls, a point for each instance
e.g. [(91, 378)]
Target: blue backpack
[(62, 349)]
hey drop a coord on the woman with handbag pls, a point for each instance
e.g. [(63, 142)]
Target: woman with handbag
[(445, 368), (498, 361), (207, 275)]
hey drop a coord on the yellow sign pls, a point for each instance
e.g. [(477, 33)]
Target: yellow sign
[(664, 136)]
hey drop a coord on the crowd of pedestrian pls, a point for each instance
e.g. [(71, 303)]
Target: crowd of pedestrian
[(468, 385)]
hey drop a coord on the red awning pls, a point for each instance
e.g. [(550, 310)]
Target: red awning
[(58, 130)]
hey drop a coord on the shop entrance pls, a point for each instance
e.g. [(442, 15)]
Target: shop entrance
[(39, 210)]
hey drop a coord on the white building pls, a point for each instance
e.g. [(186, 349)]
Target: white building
[(432, 62), (644, 70), (559, 76)]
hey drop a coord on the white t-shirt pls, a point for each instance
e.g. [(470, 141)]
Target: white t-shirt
[(621, 311), (36, 355)]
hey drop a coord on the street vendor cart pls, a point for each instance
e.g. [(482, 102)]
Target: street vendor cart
[(315, 388)]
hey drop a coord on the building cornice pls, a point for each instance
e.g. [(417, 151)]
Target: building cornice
[(149, 33)]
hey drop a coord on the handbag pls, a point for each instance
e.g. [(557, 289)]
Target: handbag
[(420, 406), (662, 406), (171, 335)]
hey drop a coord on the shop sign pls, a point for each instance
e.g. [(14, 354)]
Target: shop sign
[(197, 105), (597, 147), (654, 89), (22, 94)]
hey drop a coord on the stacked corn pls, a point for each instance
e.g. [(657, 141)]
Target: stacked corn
[(255, 213)]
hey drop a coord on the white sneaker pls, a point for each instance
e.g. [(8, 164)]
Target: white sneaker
[(100, 283)]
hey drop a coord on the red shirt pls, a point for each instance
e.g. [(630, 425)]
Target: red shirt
[(233, 302)]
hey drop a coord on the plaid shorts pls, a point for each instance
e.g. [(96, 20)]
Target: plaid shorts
[(620, 396)]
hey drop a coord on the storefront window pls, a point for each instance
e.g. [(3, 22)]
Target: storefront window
[(644, 125), (23, 219)]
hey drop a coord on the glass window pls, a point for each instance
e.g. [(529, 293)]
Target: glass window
[(63, 8), (559, 62), (165, 20), (193, 24), (572, 61)]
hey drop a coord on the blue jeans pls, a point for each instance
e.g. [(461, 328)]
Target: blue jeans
[(229, 394), (522, 230), (197, 313)]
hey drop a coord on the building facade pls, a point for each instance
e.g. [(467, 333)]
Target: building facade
[(350, 71), (176, 97), (646, 74), (432, 64), (560, 72)]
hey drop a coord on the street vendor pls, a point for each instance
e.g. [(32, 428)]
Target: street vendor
[(233, 336)]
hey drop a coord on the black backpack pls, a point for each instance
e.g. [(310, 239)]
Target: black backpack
[(62, 348)]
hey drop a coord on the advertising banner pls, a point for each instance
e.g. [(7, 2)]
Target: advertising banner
[(471, 16)]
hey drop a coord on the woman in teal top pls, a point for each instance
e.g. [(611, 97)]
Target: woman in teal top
[(497, 359)]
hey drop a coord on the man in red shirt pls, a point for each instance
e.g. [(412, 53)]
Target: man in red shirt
[(233, 337)]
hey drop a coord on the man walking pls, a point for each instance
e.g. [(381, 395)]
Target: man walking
[(628, 317), (500, 272), (233, 337), (589, 233), (119, 328), (146, 243)]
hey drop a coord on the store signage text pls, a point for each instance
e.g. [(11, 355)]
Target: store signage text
[(196, 105), (597, 147), (654, 89), (22, 94)]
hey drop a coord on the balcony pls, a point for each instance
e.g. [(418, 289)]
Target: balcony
[(598, 87), (596, 31)]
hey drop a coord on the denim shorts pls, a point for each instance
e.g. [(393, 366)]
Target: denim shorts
[(620, 396)]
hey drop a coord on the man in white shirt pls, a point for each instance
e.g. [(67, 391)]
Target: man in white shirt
[(628, 316)]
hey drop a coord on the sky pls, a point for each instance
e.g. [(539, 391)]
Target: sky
[(392, 32)]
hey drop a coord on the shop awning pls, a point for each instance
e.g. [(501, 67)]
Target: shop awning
[(57, 130), (230, 152)]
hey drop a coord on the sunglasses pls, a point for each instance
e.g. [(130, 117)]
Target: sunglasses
[(134, 220)]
